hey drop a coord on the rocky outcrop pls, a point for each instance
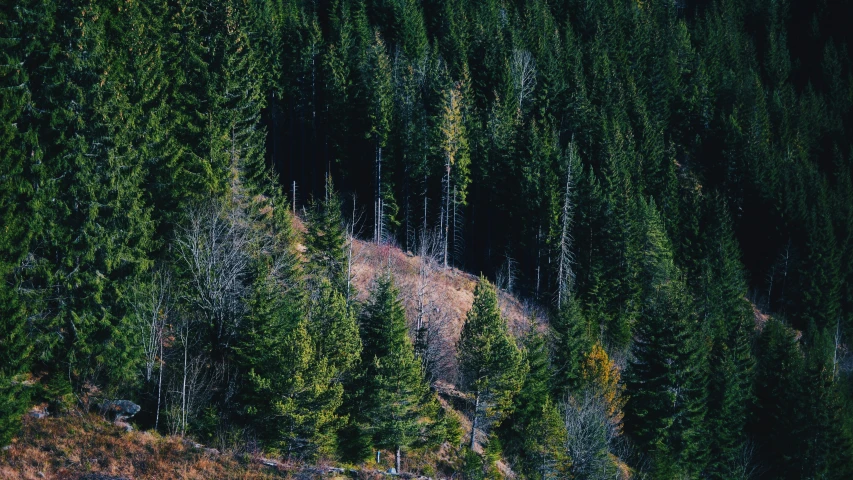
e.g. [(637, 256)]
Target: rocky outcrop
[(120, 411)]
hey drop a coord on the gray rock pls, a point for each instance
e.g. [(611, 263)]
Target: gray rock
[(120, 409)]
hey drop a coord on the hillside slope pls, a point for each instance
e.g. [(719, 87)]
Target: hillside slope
[(446, 296)]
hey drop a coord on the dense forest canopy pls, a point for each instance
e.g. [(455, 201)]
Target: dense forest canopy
[(668, 182)]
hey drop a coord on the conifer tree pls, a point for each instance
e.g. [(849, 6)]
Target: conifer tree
[(183, 174), (572, 340), (491, 367), (291, 398), (601, 376), (666, 378), (325, 241), (338, 85), (378, 85), (16, 192), (545, 443), (529, 405), (729, 321), (334, 330), (399, 407), (454, 148), (236, 136), (778, 369), (90, 193)]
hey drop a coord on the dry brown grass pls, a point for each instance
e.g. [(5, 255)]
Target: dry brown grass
[(450, 294), (71, 446)]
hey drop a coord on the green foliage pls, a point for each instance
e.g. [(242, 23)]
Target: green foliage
[(667, 377), (571, 341), (545, 442), (291, 397), (528, 403), (708, 159), (491, 367), (399, 410), (325, 241), (333, 327)]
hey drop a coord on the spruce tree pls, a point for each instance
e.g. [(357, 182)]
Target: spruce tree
[(545, 441), (334, 330), (19, 149), (729, 321), (398, 406), (491, 367), (666, 377), (325, 241), (571, 341), (779, 367), (291, 396), (91, 196)]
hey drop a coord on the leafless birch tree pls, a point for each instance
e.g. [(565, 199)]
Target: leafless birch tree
[(152, 308), (523, 69), (214, 247)]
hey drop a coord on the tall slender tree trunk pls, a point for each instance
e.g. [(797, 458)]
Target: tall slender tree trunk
[(564, 274), (446, 219), (159, 387), (349, 251), (426, 200), (377, 230), (474, 420), (184, 394), (455, 245)]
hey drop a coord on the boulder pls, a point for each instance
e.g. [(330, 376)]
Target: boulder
[(120, 409)]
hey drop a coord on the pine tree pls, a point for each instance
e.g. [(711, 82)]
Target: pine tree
[(378, 85), (90, 193), (397, 398), (183, 173), (325, 241), (780, 364), (545, 443), (491, 367), (572, 340), (826, 448), (334, 330), (236, 137), (528, 403), (729, 321), (16, 193), (291, 397), (666, 378)]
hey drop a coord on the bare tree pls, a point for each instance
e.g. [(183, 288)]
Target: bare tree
[(152, 308), (592, 435), (742, 465), (214, 249), (505, 282), (191, 387), (430, 331), (523, 69), (565, 274)]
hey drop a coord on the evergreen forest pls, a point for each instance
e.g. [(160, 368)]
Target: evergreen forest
[(666, 186)]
